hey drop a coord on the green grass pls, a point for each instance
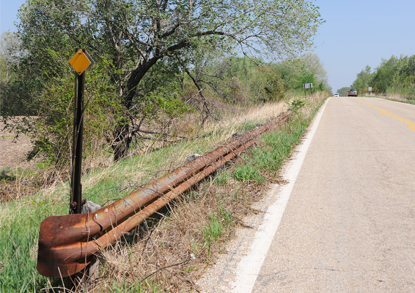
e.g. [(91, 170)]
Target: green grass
[(44, 164), (212, 231), (226, 216), (268, 157), (222, 177), (18, 256), (249, 125), (248, 172)]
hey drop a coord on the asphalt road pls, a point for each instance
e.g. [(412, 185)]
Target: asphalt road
[(349, 225)]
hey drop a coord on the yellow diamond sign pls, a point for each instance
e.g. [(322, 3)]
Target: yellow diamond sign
[(81, 61)]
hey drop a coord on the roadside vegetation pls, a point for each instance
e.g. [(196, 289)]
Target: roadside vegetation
[(155, 60), (169, 80), (183, 239), (393, 78)]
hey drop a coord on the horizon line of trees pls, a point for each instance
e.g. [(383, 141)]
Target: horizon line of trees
[(394, 76)]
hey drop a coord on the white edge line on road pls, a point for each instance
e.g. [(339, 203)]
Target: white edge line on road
[(250, 265)]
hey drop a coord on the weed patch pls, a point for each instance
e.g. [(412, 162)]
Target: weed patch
[(212, 231), (265, 159), (248, 173), (222, 177)]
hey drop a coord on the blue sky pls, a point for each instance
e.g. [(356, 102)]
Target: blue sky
[(362, 32), (356, 33)]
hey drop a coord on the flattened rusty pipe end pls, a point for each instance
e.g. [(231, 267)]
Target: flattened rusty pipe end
[(56, 236), (50, 268)]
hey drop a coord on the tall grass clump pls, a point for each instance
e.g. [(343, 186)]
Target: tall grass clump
[(18, 276)]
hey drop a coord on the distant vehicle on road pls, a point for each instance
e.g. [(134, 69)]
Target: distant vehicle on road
[(336, 95), (353, 93)]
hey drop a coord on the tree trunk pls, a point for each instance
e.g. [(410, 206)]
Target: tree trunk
[(122, 136), (121, 141)]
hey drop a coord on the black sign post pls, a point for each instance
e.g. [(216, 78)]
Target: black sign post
[(81, 61), (76, 187)]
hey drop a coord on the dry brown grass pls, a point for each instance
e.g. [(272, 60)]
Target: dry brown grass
[(189, 127), (399, 98)]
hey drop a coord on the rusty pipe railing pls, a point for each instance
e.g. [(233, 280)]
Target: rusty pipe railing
[(67, 242)]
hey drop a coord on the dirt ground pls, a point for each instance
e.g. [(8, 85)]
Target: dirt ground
[(13, 155), (13, 152)]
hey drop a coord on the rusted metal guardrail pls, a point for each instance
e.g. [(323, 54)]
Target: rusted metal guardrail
[(67, 243)]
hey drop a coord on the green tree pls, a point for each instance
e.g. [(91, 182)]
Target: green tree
[(384, 75), (243, 80), (363, 80), (304, 69), (137, 35), (392, 76), (9, 44), (9, 54)]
